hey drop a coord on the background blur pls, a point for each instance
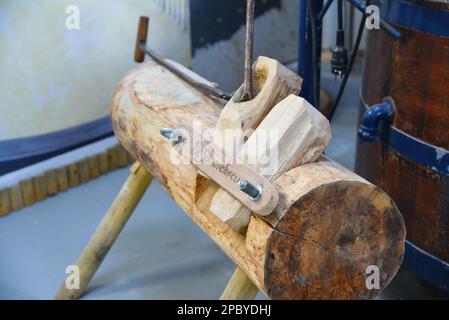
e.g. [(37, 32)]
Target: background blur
[(54, 78)]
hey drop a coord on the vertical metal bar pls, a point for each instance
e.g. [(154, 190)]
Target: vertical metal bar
[(304, 52), (349, 25), (319, 35), (324, 10), (248, 79), (305, 67)]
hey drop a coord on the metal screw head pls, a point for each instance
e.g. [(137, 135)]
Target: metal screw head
[(254, 191), (172, 134)]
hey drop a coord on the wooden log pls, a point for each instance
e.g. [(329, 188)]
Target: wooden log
[(239, 287), (5, 204), (300, 133), (122, 156), (15, 198), (84, 170), (328, 227), (130, 157), (108, 230), (62, 179), (28, 195), (51, 181), (73, 174), (93, 166), (40, 187), (112, 158), (103, 162)]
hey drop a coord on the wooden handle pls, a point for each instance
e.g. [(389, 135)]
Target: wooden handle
[(301, 133), (227, 171), (108, 230), (142, 32)]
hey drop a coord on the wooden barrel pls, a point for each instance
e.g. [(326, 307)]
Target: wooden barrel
[(409, 155)]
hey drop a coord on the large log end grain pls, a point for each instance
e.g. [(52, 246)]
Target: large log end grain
[(328, 227)]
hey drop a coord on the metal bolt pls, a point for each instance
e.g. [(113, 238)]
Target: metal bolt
[(172, 134), (254, 191)]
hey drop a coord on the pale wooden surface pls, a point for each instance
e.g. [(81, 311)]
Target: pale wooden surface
[(301, 135), (226, 171), (239, 287), (272, 82), (329, 223), (108, 230)]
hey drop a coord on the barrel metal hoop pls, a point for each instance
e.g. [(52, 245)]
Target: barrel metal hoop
[(429, 156), (427, 266), (417, 17)]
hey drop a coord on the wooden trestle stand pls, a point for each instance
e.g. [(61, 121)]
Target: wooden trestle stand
[(327, 228)]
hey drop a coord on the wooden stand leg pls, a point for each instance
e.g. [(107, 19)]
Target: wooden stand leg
[(108, 230), (239, 287)]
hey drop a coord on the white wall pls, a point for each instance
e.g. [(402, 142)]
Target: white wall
[(53, 78), (275, 36)]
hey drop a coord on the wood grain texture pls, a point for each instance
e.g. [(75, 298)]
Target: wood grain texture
[(329, 225), (27, 190), (62, 179), (40, 188), (103, 162), (15, 198), (5, 205), (112, 159), (142, 31), (73, 175), (414, 71), (299, 134), (94, 167), (272, 82), (52, 184), (83, 169), (420, 193), (226, 171)]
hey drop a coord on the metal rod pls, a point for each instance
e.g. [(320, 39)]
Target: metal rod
[(249, 53), (324, 10), (204, 88), (359, 5)]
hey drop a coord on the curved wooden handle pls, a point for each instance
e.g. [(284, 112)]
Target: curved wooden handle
[(142, 32)]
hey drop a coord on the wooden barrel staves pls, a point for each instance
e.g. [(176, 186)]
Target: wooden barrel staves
[(404, 145), (329, 231)]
